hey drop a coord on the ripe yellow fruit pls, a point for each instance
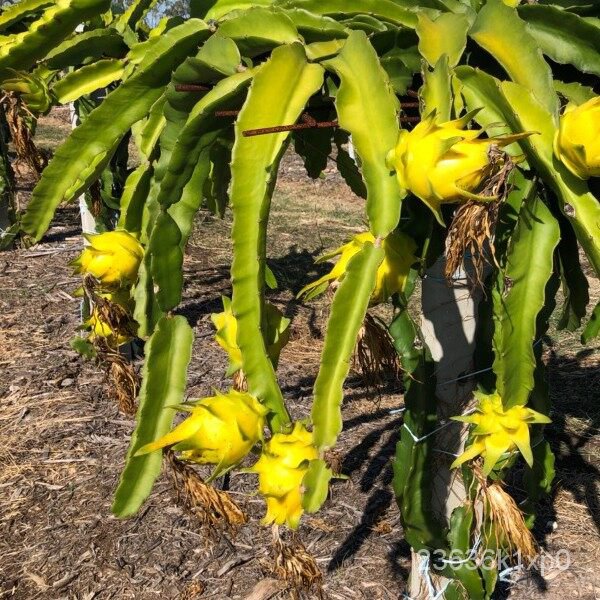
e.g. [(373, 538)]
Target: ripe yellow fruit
[(221, 430), (444, 163), (577, 141), (277, 334), (498, 431), (391, 275), (99, 328), (281, 469), (113, 258)]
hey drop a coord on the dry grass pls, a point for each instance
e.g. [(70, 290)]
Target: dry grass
[(470, 234), (375, 357), (474, 223), (297, 567), (17, 117), (124, 382), (214, 507), (509, 524)]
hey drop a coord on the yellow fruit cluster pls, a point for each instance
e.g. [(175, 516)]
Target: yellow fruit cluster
[(498, 431), (391, 275), (281, 469), (221, 430), (100, 329), (113, 259), (577, 141), (444, 163)]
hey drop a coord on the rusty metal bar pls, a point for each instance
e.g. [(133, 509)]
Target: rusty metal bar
[(308, 122), (191, 87), (296, 127), (227, 113)]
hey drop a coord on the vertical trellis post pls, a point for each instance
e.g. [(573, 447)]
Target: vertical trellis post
[(88, 221), (448, 324)]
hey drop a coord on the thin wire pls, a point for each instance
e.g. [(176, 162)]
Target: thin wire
[(468, 375), (396, 411), (6, 232), (445, 279), (505, 575), (425, 573), (418, 440), (446, 452), (472, 554)]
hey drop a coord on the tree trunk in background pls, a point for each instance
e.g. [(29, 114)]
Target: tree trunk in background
[(7, 189), (448, 324)]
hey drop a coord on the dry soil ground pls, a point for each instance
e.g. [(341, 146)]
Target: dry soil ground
[(62, 439)]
